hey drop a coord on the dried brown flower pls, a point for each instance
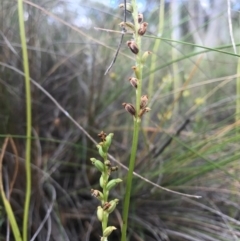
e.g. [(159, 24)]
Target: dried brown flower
[(144, 101), (133, 81), (133, 46), (140, 17), (106, 205), (102, 135), (143, 28), (143, 111), (113, 169), (129, 108), (95, 193)]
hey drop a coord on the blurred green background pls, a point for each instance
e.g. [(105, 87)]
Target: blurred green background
[(189, 142)]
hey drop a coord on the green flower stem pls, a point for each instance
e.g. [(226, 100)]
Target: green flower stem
[(105, 197), (138, 60), (137, 122), (29, 121), (5, 201), (129, 180)]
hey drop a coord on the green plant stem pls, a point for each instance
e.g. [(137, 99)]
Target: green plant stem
[(29, 120), (237, 112), (129, 180), (6, 203), (105, 196), (137, 122)]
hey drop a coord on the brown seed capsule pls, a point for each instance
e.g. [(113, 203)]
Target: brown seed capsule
[(133, 46), (133, 81), (143, 111), (140, 17), (129, 108), (143, 28), (144, 101)]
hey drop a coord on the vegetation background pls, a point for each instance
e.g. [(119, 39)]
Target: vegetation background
[(189, 142)]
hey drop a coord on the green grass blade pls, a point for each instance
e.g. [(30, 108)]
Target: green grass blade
[(29, 119)]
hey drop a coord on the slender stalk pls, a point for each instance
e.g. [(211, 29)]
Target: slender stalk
[(237, 112), (129, 180), (29, 120), (6, 203), (137, 122), (105, 197)]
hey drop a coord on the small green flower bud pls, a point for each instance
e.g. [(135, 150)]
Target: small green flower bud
[(145, 56), (136, 71), (104, 147), (109, 140), (100, 213), (101, 152), (106, 143), (129, 7), (98, 164), (108, 231), (128, 26), (113, 183), (101, 181), (112, 205), (107, 163)]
